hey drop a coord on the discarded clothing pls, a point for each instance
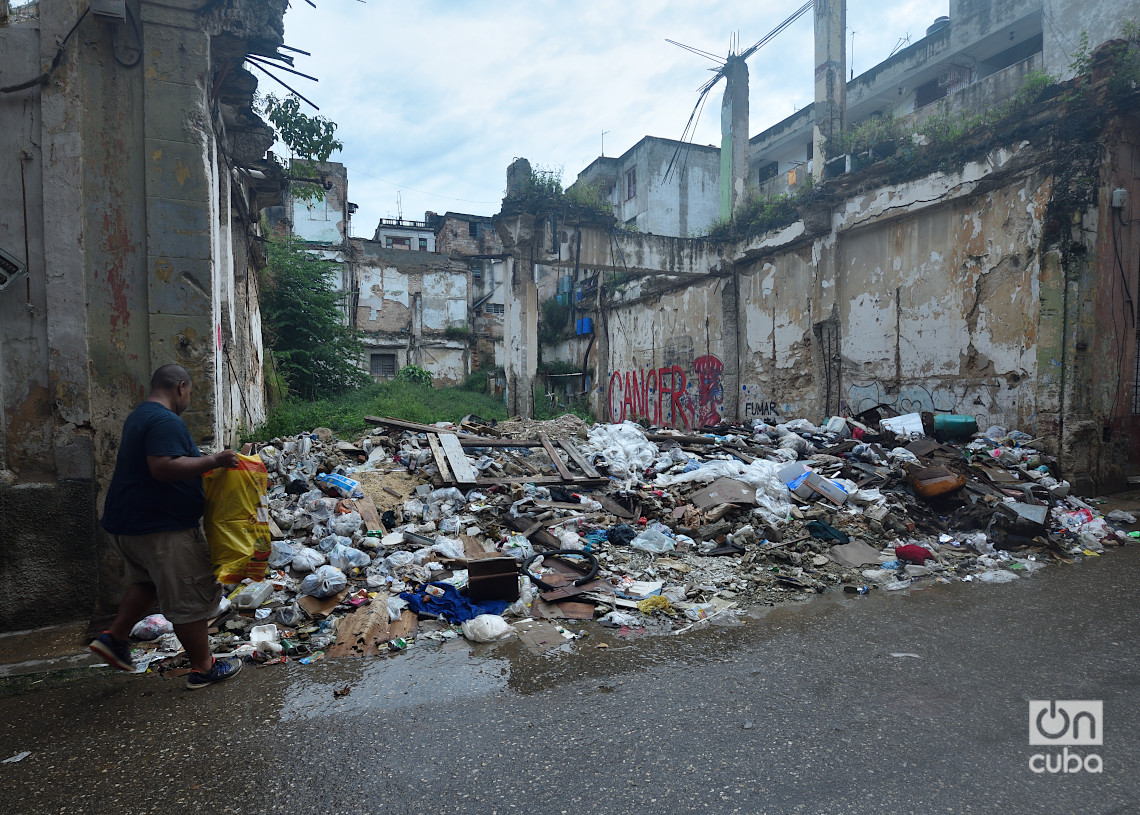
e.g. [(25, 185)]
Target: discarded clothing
[(451, 605)]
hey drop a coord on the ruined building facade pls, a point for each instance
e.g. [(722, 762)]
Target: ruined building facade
[(133, 176)]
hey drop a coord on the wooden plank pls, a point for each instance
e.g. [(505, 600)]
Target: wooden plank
[(473, 548), (613, 507), (483, 441), (578, 458), (440, 459), (541, 479), (275, 531), (464, 472), (413, 426), (540, 536), (554, 457), (526, 465), (367, 509)]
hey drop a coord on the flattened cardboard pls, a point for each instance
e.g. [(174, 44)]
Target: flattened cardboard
[(853, 554), (724, 491)]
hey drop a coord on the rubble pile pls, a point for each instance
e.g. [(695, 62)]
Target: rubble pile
[(428, 532)]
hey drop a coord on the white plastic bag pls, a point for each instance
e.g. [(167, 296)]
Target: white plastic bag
[(450, 548), (346, 558), (518, 547), (486, 628), (624, 446), (345, 525), (324, 582), (653, 542), (306, 560), (281, 554)]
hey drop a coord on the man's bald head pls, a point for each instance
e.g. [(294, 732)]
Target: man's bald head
[(168, 377)]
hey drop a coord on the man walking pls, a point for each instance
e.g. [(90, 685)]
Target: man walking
[(153, 509)]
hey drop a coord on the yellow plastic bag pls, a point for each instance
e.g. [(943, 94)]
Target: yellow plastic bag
[(237, 520)]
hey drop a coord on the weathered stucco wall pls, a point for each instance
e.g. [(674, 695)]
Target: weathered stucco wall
[(128, 207)]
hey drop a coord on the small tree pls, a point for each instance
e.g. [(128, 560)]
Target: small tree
[(309, 139), (304, 325)]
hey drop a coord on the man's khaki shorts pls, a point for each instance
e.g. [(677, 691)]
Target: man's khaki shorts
[(178, 564)]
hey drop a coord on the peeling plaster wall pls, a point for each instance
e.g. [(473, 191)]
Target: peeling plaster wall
[(135, 231), (997, 290), (406, 301)]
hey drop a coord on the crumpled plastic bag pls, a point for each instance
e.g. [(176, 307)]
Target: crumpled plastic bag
[(345, 525), (281, 554), (399, 559), (653, 542), (449, 547), (330, 542), (324, 582), (396, 606), (346, 558), (306, 559), (151, 628), (624, 446), (996, 576), (617, 619), (518, 547), (772, 502), (486, 628)]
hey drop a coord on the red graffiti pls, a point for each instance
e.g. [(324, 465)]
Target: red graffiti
[(710, 390), (657, 395)]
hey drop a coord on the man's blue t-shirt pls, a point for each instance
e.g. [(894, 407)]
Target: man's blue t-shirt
[(138, 504)]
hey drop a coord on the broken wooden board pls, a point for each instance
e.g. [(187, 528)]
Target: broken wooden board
[(539, 536), (275, 531), (555, 459), (464, 472), (316, 607), (415, 427), (541, 479), (565, 610), (364, 632), (476, 441), (367, 509), (566, 591), (473, 548), (613, 507), (440, 459), (578, 458)]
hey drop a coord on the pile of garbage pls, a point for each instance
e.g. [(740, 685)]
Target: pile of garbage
[(417, 533)]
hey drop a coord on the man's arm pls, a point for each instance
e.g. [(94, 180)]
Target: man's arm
[(178, 468)]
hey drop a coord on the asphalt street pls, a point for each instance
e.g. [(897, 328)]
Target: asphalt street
[(915, 702)]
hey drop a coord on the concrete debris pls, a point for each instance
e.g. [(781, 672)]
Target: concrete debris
[(435, 532)]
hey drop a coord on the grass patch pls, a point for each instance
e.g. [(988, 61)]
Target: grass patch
[(344, 414)]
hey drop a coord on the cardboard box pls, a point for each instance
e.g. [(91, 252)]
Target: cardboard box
[(493, 578), (825, 487)]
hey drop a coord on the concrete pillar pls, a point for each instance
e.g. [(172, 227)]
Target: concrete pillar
[(520, 314), (733, 136), (181, 208), (830, 85)]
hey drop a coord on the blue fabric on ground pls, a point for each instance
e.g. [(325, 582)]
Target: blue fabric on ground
[(452, 606)]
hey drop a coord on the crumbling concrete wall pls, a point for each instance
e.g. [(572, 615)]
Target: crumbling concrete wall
[(416, 305), (1000, 289), (134, 213)]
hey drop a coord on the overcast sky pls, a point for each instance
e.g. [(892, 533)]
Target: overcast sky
[(434, 99)]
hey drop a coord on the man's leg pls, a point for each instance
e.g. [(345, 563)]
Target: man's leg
[(138, 600), (196, 641)]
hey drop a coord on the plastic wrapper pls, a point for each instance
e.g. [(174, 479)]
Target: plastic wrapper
[(330, 542), (518, 547), (450, 548), (342, 485), (324, 582), (399, 559)]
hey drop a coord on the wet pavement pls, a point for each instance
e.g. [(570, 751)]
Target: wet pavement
[(900, 702)]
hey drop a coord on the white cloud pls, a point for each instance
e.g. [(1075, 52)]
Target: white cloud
[(435, 99)]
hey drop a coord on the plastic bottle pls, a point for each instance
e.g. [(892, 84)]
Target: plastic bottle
[(253, 595), (857, 589)]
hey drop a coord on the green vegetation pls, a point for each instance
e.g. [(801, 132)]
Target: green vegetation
[(763, 213), (309, 139), (457, 332), (414, 374), (313, 352), (546, 407), (552, 323), (542, 194), (476, 381), (345, 414)]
